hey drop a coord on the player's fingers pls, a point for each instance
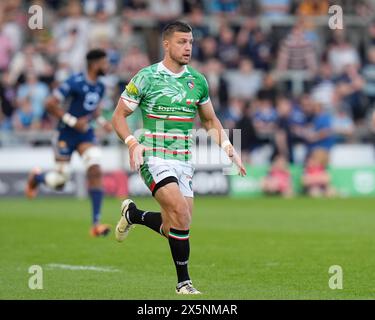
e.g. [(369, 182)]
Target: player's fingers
[(132, 166), (243, 171), (230, 151), (139, 157), (132, 162)]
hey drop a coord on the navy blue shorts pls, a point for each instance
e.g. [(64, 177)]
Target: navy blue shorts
[(69, 139)]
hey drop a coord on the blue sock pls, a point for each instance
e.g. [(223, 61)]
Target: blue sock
[(39, 178), (96, 197)]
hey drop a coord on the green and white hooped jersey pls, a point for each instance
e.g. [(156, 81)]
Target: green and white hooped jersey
[(169, 103)]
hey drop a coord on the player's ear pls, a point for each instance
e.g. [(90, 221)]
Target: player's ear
[(166, 44)]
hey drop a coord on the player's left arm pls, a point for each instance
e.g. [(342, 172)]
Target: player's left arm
[(215, 129)]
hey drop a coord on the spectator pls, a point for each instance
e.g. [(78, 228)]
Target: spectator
[(253, 44), (91, 7), (208, 49), (248, 134), (135, 9), (71, 50), (190, 5), (341, 53), (31, 96), (291, 120), (278, 180), (102, 27), (370, 40), (320, 134), (316, 180), (11, 28), (27, 60), (343, 126), (228, 52), (7, 102), (297, 53), (224, 7), (275, 8), (324, 87), (200, 28), (197, 22), (313, 8), (219, 92), (128, 38), (265, 118), (74, 20), (24, 118), (130, 64), (246, 82), (349, 88), (368, 73), (233, 113), (260, 50), (166, 10), (6, 47), (269, 87), (365, 8)]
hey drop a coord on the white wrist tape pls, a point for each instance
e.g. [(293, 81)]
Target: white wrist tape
[(225, 144), (129, 138), (101, 120), (69, 119)]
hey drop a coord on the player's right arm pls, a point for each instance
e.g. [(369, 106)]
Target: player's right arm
[(127, 103), (53, 106), (121, 128)]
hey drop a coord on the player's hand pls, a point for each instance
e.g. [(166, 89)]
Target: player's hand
[(107, 126), (136, 156), (236, 159), (82, 124)]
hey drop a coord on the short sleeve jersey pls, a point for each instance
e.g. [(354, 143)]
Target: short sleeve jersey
[(84, 96), (169, 103)]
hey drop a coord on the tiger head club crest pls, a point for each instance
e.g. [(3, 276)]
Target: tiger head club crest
[(191, 84)]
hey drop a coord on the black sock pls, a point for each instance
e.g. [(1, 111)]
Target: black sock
[(147, 218), (180, 248)]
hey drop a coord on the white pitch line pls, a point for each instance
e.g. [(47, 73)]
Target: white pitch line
[(80, 268)]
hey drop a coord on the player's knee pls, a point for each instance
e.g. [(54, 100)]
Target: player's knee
[(57, 178), (181, 215), (94, 172), (92, 156)]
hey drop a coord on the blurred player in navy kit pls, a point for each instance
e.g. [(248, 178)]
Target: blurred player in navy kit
[(75, 133)]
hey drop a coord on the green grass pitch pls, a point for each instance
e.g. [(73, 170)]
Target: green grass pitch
[(240, 249)]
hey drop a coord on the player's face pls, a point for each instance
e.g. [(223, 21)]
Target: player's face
[(102, 67), (179, 47)]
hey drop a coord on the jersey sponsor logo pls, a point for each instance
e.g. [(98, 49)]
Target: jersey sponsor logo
[(174, 109), (191, 84), (132, 89), (161, 172), (62, 144), (168, 109)]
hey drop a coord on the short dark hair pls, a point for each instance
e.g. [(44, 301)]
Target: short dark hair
[(176, 26), (94, 55)]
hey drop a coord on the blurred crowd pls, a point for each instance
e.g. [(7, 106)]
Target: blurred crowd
[(249, 56)]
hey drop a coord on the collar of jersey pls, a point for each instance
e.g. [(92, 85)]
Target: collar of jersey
[(162, 67)]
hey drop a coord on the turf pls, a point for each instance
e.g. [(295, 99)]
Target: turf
[(240, 249)]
